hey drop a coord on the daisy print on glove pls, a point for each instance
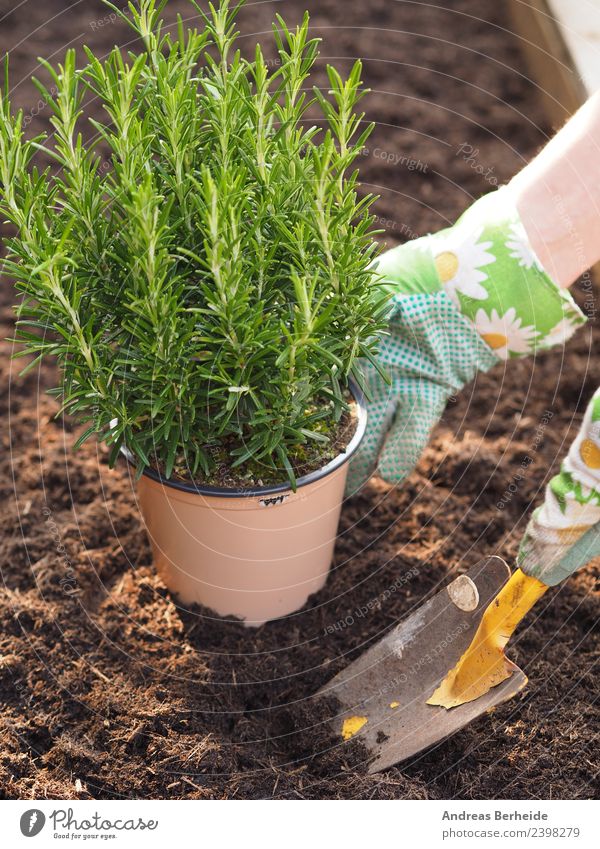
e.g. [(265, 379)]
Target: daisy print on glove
[(583, 459), (555, 527), (459, 259), (566, 518), (504, 333), (559, 334), (520, 247)]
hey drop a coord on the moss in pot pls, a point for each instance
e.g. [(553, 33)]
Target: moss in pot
[(201, 272)]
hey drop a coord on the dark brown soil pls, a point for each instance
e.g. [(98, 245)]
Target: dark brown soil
[(108, 689)]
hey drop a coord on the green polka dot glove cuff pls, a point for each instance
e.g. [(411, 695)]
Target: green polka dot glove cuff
[(461, 300)]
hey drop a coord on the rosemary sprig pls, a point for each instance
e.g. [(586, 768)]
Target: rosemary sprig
[(200, 270)]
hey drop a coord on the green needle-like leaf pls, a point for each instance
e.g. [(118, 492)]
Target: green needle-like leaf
[(200, 269)]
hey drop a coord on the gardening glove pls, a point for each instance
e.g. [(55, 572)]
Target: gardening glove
[(564, 533), (562, 536), (461, 300)]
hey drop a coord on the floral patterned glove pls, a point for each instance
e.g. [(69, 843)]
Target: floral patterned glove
[(564, 533), (462, 299)]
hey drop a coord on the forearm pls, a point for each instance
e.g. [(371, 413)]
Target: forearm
[(558, 197)]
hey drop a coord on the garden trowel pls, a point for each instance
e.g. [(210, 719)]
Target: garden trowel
[(439, 669)]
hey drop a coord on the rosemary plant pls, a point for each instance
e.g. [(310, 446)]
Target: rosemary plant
[(200, 268)]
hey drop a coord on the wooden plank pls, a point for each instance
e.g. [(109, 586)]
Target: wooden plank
[(579, 24), (550, 60)]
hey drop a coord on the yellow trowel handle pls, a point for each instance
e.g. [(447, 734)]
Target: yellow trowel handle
[(484, 665), (511, 605)]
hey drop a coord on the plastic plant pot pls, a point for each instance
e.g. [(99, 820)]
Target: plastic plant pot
[(252, 554)]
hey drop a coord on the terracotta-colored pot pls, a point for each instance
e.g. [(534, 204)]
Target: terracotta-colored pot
[(254, 554)]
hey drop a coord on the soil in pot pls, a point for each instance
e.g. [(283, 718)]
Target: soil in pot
[(252, 474)]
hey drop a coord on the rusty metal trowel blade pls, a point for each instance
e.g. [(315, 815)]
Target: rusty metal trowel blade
[(389, 685)]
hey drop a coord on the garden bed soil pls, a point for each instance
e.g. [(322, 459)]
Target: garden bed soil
[(108, 689)]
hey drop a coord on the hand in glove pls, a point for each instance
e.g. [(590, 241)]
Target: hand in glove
[(564, 533), (462, 299)]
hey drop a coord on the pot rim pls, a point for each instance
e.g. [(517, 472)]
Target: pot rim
[(305, 480)]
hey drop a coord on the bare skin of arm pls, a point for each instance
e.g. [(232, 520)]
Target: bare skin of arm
[(558, 197)]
